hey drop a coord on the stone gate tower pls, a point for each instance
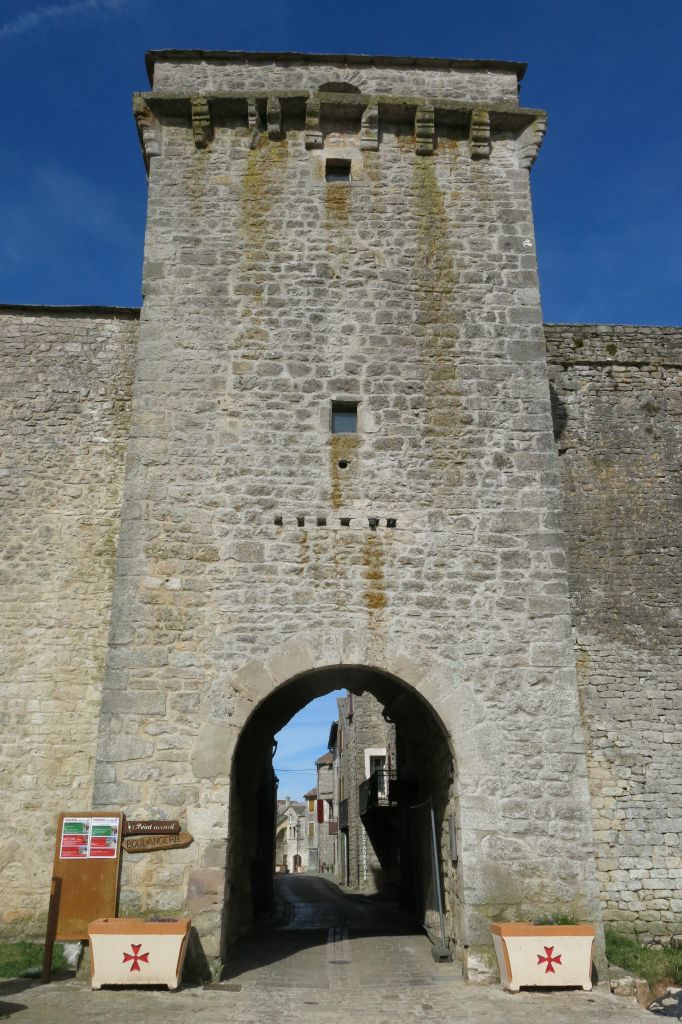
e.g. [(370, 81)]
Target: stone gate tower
[(341, 456)]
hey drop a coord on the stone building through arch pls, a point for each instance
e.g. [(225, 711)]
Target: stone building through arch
[(426, 779)]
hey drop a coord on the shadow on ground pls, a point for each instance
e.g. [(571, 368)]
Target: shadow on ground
[(318, 936), (13, 988)]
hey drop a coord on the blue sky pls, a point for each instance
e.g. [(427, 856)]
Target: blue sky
[(301, 742), (606, 185)]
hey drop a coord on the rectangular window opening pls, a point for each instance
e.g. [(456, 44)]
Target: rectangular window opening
[(344, 417), (337, 170)]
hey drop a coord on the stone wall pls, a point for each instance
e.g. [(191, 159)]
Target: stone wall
[(65, 389), (363, 727), (617, 397), (256, 545), (207, 72), (325, 791)]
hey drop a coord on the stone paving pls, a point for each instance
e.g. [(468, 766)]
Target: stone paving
[(323, 956)]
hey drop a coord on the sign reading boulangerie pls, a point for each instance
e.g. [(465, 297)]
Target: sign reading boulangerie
[(149, 843), (146, 828)]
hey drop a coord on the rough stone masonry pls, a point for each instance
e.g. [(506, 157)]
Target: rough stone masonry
[(183, 534)]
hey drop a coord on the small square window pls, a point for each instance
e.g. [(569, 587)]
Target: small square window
[(337, 170), (344, 417)]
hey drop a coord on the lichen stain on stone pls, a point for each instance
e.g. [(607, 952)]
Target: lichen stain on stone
[(342, 448), (372, 166), (265, 169), (337, 200), (196, 183), (435, 280), (372, 559), (304, 549)]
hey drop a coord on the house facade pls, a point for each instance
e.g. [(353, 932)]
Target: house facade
[(291, 844)]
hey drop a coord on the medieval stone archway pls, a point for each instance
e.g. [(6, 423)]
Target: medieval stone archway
[(425, 775), (520, 797)]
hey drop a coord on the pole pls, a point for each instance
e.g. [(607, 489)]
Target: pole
[(436, 875)]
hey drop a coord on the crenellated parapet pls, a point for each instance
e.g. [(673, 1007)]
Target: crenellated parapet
[(202, 126), (424, 129), (316, 113), (274, 118), (479, 135), (530, 141), (147, 129)]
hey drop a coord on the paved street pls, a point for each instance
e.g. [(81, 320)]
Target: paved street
[(323, 956), (323, 938)]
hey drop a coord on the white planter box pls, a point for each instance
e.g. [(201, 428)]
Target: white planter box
[(131, 951), (544, 955)]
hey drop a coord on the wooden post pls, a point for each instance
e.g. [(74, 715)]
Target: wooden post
[(51, 931)]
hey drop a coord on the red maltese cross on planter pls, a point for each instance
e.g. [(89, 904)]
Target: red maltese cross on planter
[(136, 958), (548, 959)]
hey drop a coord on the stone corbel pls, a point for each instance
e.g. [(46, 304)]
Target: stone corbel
[(254, 121), (529, 142), (313, 133), (202, 128), (274, 115), (146, 129), (369, 128), (424, 129), (479, 135)]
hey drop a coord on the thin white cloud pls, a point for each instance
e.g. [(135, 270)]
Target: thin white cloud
[(56, 12), (84, 206)]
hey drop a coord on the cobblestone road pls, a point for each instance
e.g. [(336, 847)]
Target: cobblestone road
[(324, 956)]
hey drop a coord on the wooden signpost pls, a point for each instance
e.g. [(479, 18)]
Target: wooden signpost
[(143, 828), (147, 843), (87, 869), (85, 876)]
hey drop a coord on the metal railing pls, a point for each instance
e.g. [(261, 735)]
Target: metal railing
[(384, 789), (374, 791)]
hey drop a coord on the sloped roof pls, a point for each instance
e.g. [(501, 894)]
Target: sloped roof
[(310, 795), (325, 759), (296, 805)]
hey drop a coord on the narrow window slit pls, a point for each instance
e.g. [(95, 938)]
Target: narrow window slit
[(345, 522), (391, 523), (300, 520), (321, 520), (278, 520)]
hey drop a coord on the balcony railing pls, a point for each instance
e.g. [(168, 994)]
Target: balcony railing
[(374, 791), (343, 814), (383, 789)]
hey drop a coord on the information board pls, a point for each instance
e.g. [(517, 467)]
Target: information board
[(86, 837), (85, 873)]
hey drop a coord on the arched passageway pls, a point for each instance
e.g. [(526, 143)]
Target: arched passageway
[(409, 857)]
